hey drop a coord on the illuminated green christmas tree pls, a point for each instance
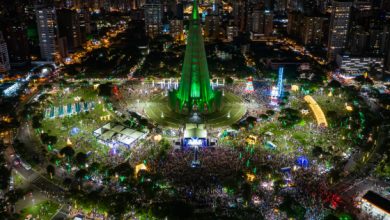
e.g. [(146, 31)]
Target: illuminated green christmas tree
[(195, 92)]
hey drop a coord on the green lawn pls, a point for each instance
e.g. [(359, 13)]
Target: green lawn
[(158, 106), (300, 139), (85, 93), (87, 122), (304, 136), (43, 211), (18, 179)]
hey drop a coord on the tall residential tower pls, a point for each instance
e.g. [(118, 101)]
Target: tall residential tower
[(47, 31), (338, 29), (153, 10), (4, 59)]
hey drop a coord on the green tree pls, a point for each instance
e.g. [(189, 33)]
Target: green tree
[(246, 189), (228, 80), (80, 174), (68, 151), (292, 208), (4, 177), (50, 169), (105, 89), (81, 158), (289, 117)]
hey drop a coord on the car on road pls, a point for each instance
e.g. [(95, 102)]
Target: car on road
[(15, 159), (25, 165)]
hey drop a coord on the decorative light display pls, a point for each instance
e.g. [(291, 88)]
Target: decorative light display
[(195, 92), (277, 91), (195, 142), (249, 85), (302, 161), (12, 90), (280, 82)]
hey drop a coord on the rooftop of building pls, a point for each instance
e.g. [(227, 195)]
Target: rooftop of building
[(378, 201)]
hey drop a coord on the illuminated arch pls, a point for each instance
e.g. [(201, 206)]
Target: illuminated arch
[(318, 113)]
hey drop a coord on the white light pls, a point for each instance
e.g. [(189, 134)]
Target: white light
[(274, 92), (11, 91), (194, 142), (45, 70)]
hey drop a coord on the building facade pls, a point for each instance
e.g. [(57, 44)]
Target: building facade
[(69, 27), (358, 40), (338, 29), (17, 42), (47, 31), (231, 32), (307, 29), (153, 11), (357, 65), (4, 58), (312, 30), (85, 24), (176, 28), (240, 14), (211, 30), (262, 24), (376, 206)]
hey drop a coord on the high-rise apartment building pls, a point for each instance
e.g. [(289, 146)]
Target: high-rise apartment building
[(338, 29), (47, 31), (96, 4), (240, 13), (85, 24), (15, 36), (294, 23), (231, 32), (387, 59), (4, 59), (358, 40), (261, 25), (176, 28), (280, 5), (211, 30), (69, 27), (215, 6), (379, 37), (153, 11), (312, 30), (262, 22), (308, 29), (295, 5)]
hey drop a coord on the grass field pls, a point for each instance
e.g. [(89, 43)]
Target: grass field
[(158, 111), (86, 122), (86, 94), (300, 137), (18, 179), (304, 136), (43, 211)]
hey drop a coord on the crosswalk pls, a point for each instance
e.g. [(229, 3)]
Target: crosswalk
[(46, 185), (61, 214)]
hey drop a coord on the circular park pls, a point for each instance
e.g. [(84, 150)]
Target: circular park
[(232, 110), (111, 137), (197, 147)]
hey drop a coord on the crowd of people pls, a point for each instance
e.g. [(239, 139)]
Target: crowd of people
[(256, 101), (226, 166)]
